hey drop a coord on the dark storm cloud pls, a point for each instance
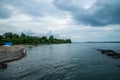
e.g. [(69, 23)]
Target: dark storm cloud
[(101, 13)]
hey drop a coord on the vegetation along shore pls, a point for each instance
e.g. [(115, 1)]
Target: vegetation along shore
[(16, 52), (30, 40)]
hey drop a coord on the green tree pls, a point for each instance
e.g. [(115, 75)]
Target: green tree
[(8, 35), (68, 40), (51, 39), (15, 35), (23, 39), (23, 35), (44, 39), (1, 37)]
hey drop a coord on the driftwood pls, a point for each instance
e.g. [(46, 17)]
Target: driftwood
[(110, 53)]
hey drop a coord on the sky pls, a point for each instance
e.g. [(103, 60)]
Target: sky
[(79, 20)]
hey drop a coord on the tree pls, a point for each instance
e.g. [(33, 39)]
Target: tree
[(23, 39), (8, 35), (68, 41), (44, 39), (23, 35), (15, 35), (51, 39), (1, 37)]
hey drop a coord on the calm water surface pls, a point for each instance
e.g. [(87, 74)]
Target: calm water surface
[(76, 61)]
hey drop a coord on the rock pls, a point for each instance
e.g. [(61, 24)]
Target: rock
[(3, 65), (115, 57), (109, 52), (118, 66)]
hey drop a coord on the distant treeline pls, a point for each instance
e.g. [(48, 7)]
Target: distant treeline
[(25, 39)]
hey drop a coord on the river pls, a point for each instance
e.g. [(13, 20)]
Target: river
[(76, 61)]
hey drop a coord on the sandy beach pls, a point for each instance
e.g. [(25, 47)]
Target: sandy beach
[(12, 53)]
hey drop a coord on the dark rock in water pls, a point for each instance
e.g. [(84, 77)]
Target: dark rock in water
[(3, 65), (118, 66), (109, 52), (115, 57)]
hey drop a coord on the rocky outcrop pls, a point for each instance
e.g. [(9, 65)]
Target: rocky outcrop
[(11, 55), (18, 54), (110, 53)]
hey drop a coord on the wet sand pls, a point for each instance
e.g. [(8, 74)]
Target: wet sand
[(12, 53)]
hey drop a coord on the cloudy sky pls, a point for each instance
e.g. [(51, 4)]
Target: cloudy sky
[(80, 20)]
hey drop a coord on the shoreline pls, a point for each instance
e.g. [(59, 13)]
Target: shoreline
[(17, 58), (12, 53)]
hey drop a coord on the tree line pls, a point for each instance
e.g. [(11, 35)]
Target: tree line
[(32, 40)]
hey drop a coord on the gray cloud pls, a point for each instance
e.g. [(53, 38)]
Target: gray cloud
[(101, 13), (38, 17), (29, 7), (4, 12)]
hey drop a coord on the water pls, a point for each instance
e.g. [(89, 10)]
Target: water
[(76, 61)]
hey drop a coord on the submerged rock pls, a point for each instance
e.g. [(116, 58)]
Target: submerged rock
[(3, 65), (109, 52), (118, 66)]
